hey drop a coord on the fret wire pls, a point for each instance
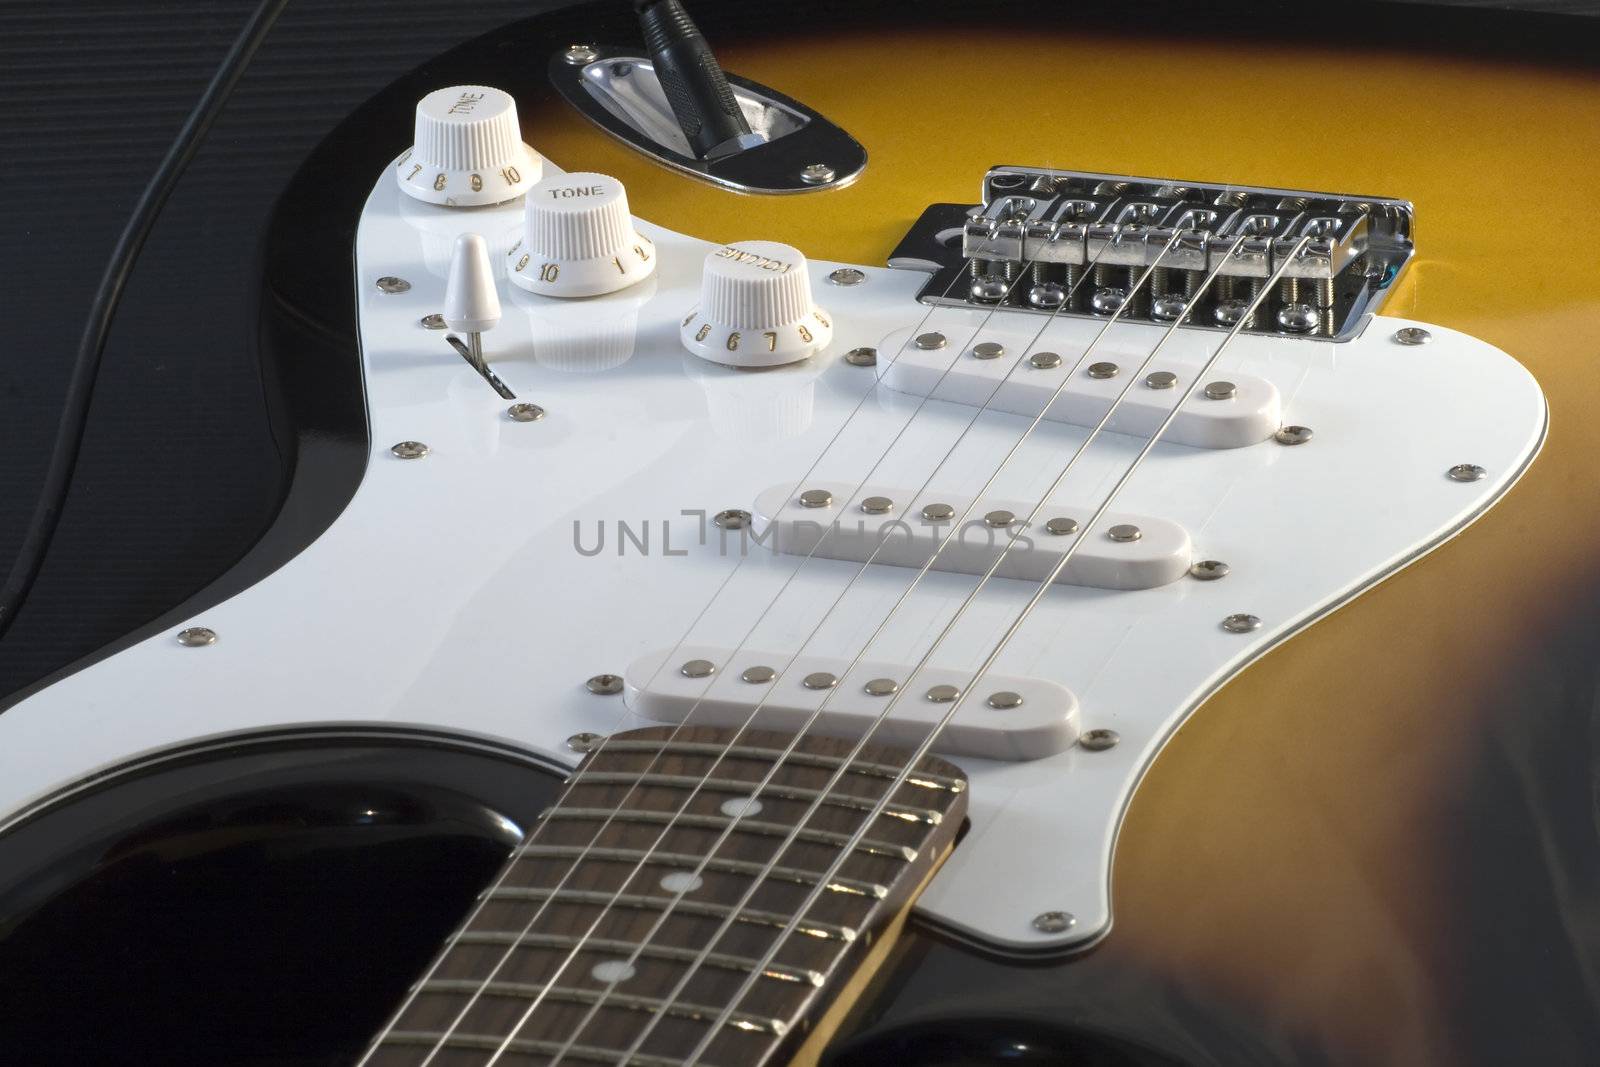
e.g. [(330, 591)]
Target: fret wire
[(629, 1001), (812, 718), (715, 596), (682, 860), (488, 1043), (693, 908), (742, 824), (722, 960), (801, 759), (778, 792), (1041, 589)]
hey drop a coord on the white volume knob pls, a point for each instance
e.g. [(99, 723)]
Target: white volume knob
[(579, 240), (468, 149), (755, 308)]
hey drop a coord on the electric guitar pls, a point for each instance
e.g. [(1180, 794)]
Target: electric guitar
[(807, 593)]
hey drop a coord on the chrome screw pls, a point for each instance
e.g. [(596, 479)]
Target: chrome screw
[(604, 685), (817, 174), (1167, 308), (1108, 301), (862, 357), (1209, 570), (988, 290), (1412, 335), (731, 519), (197, 637), (1241, 623), (432, 322), (525, 412), (1048, 296), (579, 54), (1298, 318), (390, 284), (1098, 740), (1054, 922), (584, 742), (816, 498), (1465, 472), (847, 276), (1293, 435), (698, 668), (409, 449)]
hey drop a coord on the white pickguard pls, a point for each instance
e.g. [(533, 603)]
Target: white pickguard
[(450, 593)]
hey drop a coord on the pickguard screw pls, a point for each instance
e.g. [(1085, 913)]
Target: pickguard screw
[(1293, 435), (409, 449), (930, 341), (1465, 472), (432, 322), (525, 412), (817, 174), (1098, 740), (1412, 335), (731, 519), (698, 668), (1054, 922), (578, 54), (197, 637), (390, 284), (584, 742), (604, 685), (1209, 570), (816, 498), (862, 357), (847, 276), (1241, 623)]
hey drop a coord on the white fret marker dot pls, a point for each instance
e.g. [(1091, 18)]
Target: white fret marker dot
[(738, 807), (681, 882), (613, 971)]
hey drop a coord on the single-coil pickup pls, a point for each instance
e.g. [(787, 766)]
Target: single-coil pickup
[(887, 525), (1003, 718), (984, 372)]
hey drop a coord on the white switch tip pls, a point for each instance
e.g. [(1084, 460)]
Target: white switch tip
[(471, 302)]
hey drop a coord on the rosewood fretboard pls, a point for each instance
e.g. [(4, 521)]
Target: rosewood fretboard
[(538, 993)]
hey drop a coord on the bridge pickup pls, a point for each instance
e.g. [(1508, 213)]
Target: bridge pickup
[(1006, 718), (850, 527), (1250, 414)]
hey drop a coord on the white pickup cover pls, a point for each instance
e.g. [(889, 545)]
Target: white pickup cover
[(903, 537), (1043, 724)]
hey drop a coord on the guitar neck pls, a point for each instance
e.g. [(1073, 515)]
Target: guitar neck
[(669, 902)]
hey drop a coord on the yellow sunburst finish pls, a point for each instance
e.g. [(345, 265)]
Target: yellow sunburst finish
[(1292, 849)]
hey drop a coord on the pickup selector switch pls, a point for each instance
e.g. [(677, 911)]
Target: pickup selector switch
[(756, 308), (468, 149), (579, 239)]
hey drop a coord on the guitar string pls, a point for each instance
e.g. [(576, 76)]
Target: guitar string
[(926, 745), (955, 527), (771, 688), (487, 896)]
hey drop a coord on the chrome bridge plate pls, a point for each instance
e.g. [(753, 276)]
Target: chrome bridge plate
[(1075, 243)]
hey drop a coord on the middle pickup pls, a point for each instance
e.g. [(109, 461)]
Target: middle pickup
[(833, 520)]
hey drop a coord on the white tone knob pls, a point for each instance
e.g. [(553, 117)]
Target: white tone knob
[(579, 240), (755, 308), (471, 303), (468, 149)]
